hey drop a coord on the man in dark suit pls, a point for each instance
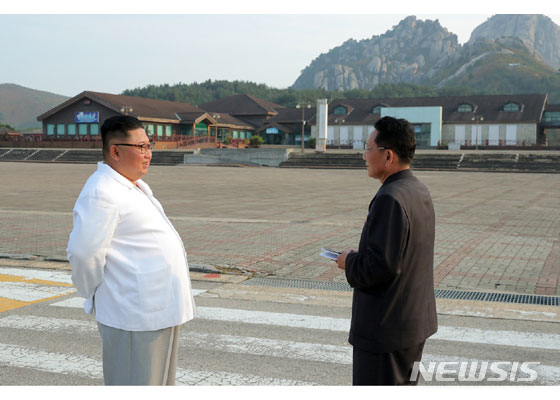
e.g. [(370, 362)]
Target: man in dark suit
[(393, 306)]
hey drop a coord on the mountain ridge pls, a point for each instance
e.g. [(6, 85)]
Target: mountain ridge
[(20, 106), (415, 51)]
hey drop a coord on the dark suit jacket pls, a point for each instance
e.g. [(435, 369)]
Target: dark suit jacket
[(393, 306)]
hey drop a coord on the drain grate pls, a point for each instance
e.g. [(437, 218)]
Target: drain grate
[(298, 283), (440, 293), (499, 297)]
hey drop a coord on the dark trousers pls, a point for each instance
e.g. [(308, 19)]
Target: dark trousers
[(385, 368)]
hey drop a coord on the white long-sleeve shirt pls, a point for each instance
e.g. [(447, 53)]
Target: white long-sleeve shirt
[(127, 259)]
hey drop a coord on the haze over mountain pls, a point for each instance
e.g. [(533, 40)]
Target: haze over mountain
[(20, 106)]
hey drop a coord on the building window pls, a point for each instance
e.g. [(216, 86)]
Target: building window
[(60, 129), (201, 129), (465, 108), (551, 116), (340, 110), (150, 130), (50, 129), (376, 110), (94, 129), (82, 129), (71, 129), (235, 135), (160, 130), (512, 107), (423, 134), (168, 130)]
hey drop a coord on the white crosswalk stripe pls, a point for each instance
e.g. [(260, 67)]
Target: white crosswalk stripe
[(45, 275), (227, 343), (53, 362), (242, 333), (456, 334), (78, 302), (29, 292), (27, 357)]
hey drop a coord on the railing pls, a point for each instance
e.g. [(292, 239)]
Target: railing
[(237, 142), (496, 143), (191, 141), (71, 138)]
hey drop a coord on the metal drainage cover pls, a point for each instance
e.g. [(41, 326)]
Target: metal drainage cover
[(298, 283), (499, 297), (440, 293)]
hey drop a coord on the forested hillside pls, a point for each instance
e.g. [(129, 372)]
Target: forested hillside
[(198, 93)]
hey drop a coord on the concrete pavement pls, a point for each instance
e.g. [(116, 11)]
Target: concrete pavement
[(494, 231)]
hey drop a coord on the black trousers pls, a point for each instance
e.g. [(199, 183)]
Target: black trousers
[(385, 368)]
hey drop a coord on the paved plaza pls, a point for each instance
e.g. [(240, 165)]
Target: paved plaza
[(494, 231)]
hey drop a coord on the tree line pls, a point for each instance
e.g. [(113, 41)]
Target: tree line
[(199, 93)]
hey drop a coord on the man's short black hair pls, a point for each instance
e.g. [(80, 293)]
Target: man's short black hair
[(397, 135), (118, 127)]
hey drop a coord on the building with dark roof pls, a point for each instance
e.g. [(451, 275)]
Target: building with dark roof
[(277, 125), (550, 124), (288, 126), (80, 117), (491, 120), (494, 120), (247, 108)]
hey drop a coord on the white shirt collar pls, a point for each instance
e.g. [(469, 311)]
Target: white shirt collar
[(104, 168)]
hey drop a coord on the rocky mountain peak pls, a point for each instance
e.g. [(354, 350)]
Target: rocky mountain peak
[(424, 52), (403, 54), (538, 32)]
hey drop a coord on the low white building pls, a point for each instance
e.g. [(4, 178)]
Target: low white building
[(490, 120)]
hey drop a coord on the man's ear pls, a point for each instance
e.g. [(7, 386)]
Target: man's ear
[(390, 157), (114, 152)]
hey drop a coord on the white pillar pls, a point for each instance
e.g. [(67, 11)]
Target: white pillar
[(322, 122)]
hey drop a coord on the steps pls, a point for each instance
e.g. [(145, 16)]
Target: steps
[(17, 154), (491, 162), (81, 156), (168, 157), (45, 155), (324, 160), (541, 162), (436, 162)]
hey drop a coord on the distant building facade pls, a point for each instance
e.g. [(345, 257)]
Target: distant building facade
[(454, 121), (492, 120), (80, 118)]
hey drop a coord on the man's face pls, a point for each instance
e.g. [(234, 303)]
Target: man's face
[(375, 159), (129, 160)]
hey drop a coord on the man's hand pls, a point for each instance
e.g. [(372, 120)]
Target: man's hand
[(341, 259)]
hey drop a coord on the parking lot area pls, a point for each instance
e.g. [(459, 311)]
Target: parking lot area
[(494, 231)]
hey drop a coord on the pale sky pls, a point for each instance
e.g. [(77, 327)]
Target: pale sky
[(62, 49)]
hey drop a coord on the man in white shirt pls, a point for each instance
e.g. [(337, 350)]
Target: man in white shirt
[(129, 263)]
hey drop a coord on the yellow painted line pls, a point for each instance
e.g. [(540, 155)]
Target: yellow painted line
[(9, 304), (42, 282), (11, 278), (15, 278)]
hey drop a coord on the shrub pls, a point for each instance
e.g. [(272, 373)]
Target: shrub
[(256, 141)]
